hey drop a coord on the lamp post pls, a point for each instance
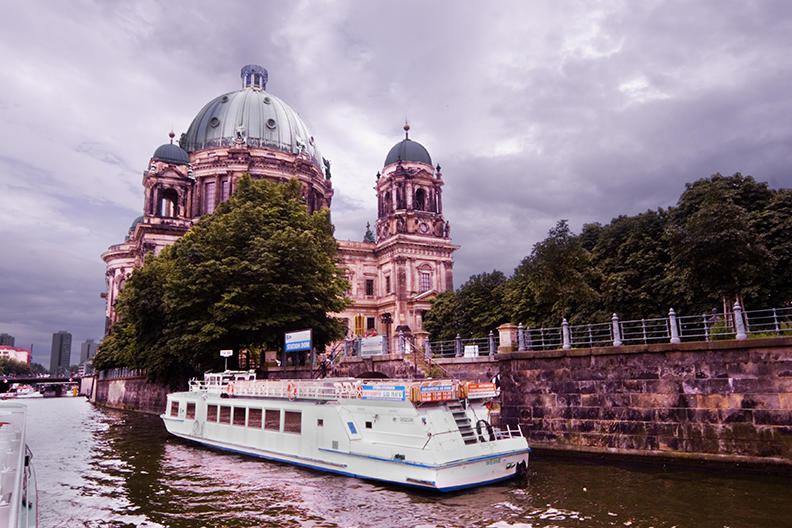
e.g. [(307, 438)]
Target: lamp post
[(387, 320)]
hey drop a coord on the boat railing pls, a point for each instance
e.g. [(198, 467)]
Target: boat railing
[(508, 432), (420, 391)]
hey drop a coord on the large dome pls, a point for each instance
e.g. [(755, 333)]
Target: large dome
[(254, 114)]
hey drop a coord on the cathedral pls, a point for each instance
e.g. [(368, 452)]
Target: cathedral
[(393, 274)]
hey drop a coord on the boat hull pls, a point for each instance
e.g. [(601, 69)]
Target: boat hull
[(453, 476)]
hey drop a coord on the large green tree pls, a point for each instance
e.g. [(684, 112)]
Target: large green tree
[(553, 281), (257, 267)]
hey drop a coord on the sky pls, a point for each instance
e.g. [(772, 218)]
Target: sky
[(537, 111)]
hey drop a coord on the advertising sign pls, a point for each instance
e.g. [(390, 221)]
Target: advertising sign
[(382, 392), (481, 390), (371, 346), (226, 353), (299, 340), (437, 393)]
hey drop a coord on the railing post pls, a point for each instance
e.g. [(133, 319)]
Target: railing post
[(385, 344), (617, 341), (458, 346), (567, 343), (706, 327), (643, 328), (520, 337), (775, 322), (427, 349), (401, 342), (528, 341), (346, 347), (491, 344), (672, 324), (739, 323)]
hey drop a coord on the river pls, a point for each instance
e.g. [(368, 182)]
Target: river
[(105, 468)]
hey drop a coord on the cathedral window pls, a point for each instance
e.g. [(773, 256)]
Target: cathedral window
[(168, 203), (426, 281), (370, 324), (369, 286), (225, 190), (209, 197), (420, 200), (359, 322), (387, 284)]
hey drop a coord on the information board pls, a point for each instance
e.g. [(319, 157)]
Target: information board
[(371, 346), (299, 340)]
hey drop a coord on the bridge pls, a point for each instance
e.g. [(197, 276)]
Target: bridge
[(52, 386)]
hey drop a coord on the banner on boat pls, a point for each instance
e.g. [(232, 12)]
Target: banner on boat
[(382, 392), (299, 340), (437, 393), (481, 390)]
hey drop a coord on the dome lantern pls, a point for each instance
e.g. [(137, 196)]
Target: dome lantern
[(254, 76)]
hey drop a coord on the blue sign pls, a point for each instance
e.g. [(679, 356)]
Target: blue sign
[(299, 340), (382, 392)]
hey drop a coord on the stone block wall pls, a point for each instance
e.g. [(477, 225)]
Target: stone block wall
[(729, 400), (134, 394)]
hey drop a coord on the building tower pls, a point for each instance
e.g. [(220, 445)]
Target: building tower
[(395, 278), (61, 352), (87, 350), (6, 339)]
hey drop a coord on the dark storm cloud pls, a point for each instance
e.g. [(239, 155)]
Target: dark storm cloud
[(536, 111)]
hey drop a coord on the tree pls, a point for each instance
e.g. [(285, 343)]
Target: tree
[(553, 280), (443, 321), (714, 245), (257, 267)]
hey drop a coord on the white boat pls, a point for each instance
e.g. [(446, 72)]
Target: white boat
[(432, 434), (18, 495)]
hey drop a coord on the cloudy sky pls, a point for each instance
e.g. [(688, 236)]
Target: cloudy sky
[(537, 111)]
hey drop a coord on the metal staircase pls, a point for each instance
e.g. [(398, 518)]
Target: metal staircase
[(462, 422)]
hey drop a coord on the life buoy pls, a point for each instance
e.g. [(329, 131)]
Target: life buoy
[(291, 390), (488, 428), (230, 388), (359, 392)]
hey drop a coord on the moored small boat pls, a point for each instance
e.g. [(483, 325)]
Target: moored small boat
[(433, 434), (18, 494)]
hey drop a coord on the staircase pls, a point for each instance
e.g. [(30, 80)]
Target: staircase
[(462, 422)]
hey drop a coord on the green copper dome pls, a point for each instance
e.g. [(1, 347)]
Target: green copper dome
[(253, 115)]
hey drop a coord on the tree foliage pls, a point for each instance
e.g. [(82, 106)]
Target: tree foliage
[(727, 238), (257, 267)]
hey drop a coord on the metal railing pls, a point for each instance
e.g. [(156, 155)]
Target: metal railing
[(737, 324)]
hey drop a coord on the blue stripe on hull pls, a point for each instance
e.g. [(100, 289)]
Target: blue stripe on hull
[(348, 474)]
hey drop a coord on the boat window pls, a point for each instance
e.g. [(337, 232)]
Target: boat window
[(352, 428), (175, 408), (190, 411), (225, 414), (211, 413), (254, 418), (368, 425), (239, 416), (292, 422), (319, 422), (272, 419)]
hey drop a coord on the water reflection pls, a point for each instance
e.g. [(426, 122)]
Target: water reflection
[(104, 468)]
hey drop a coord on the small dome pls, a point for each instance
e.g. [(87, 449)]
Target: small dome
[(137, 220), (253, 115), (170, 153), (408, 150)]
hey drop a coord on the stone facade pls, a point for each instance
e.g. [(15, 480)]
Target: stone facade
[(393, 276), (723, 399)]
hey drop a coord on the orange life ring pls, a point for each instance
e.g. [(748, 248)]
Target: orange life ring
[(230, 389), (359, 392), (291, 390)]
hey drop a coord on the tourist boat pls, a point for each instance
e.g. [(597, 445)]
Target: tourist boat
[(18, 495), (432, 434)]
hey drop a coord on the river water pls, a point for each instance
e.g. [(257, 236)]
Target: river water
[(105, 468)]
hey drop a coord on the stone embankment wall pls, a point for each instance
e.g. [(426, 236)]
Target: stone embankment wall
[(130, 393), (721, 400)]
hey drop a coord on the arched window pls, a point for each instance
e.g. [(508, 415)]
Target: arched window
[(169, 200), (388, 205), (420, 200)]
